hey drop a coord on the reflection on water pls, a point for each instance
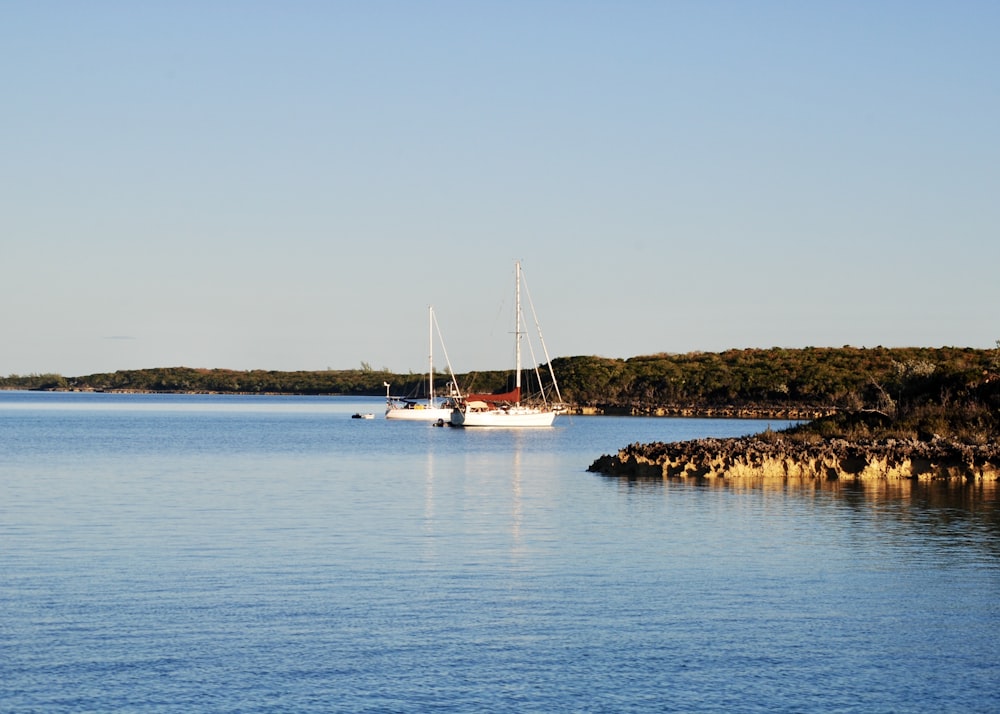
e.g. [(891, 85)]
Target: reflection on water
[(958, 513), (516, 508)]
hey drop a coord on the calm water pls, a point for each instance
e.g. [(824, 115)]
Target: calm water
[(239, 554)]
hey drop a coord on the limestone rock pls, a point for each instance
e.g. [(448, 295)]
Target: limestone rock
[(775, 456)]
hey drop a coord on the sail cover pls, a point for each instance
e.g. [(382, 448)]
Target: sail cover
[(511, 397)]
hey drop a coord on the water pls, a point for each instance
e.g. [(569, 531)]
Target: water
[(252, 554)]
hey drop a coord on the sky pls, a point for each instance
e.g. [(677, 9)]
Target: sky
[(289, 185)]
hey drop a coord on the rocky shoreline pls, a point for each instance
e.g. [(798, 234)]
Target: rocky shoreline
[(753, 411), (771, 455)]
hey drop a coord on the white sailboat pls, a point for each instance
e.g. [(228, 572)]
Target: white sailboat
[(507, 410), (431, 409)]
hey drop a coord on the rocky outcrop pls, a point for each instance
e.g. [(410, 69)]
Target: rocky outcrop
[(775, 456)]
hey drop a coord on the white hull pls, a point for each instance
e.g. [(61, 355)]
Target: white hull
[(513, 417), (425, 414)]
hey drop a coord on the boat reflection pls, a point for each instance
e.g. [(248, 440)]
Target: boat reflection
[(485, 497)]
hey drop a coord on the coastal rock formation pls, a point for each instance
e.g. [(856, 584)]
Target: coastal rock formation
[(773, 456), (754, 411)]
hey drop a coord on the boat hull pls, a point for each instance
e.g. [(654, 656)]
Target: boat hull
[(428, 414), (515, 417)]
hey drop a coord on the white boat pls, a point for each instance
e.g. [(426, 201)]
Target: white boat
[(431, 408), (359, 415), (507, 410)]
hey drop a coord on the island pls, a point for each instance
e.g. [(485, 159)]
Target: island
[(925, 415), (857, 446)]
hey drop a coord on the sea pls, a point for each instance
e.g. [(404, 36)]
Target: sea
[(179, 553)]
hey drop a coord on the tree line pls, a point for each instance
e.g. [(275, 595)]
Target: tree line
[(848, 378)]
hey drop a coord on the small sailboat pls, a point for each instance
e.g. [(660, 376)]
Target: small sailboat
[(508, 409), (430, 409)]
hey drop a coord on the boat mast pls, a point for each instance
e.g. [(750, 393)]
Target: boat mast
[(430, 356), (517, 329)]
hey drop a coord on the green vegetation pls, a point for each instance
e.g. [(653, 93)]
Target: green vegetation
[(186, 379), (921, 391), (364, 381), (846, 378), (967, 414)]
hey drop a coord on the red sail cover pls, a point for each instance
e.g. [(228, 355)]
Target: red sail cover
[(512, 397)]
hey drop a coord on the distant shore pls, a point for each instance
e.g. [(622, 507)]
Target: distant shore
[(746, 411)]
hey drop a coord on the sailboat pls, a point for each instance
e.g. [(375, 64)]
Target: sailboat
[(406, 409), (507, 409)]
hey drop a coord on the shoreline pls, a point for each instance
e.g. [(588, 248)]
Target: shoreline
[(784, 413), (760, 412), (773, 457)]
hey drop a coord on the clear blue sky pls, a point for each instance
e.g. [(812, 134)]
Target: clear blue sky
[(288, 185)]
